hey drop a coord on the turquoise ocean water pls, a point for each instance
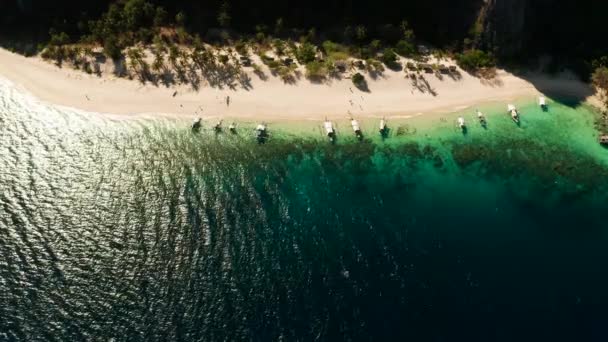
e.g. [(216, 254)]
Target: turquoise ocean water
[(139, 230)]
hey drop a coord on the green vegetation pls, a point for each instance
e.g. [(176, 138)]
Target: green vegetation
[(600, 82), (389, 57), (473, 60), (405, 48), (306, 53), (358, 78), (374, 66), (335, 51), (316, 70), (170, 41)]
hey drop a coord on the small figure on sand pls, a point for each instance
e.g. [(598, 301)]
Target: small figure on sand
[(228, 101)]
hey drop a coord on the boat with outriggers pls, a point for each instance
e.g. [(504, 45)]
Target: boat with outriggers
[(330, 131), (356, 128), (217, 128), (232, 128), (383, 128), (542, 102), (461, 124), (261, 133), (482, 119), (514, 113), (197, 124)]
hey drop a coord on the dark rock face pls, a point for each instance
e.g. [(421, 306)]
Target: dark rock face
[(504, 23)]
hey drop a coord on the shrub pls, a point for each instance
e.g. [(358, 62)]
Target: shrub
[(373, 65), (316, 70), (358, 79), (273, 65), (405, 48), (223, 59), (473, 60), (375, 46), (279, 47), (335, 51), (111, 48), (60, 38), (306, 53), (339, 56), (600, 82), (286, 73), (241, 47), (364, 53), (389, 57)]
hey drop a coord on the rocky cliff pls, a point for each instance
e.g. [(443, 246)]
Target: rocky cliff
[(503, 24)]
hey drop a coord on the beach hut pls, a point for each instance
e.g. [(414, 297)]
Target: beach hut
[(359, 64), (444, 69), (411, 66)]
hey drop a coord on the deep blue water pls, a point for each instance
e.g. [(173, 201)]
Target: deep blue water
[(140, 230)]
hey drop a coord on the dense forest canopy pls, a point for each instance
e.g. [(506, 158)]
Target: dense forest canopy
[(570, 30), (246, 15)]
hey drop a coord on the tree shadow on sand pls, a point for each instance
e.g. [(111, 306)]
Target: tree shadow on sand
[(567, 88), (422, 85)]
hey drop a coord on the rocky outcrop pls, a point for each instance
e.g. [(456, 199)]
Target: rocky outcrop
[(503, 26)]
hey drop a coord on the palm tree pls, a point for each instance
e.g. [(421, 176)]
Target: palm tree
[(174, 54), (159, 61)]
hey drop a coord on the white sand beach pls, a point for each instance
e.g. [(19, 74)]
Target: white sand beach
[(391, 95)]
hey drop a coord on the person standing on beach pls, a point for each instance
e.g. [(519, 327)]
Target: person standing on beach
[(228, 101)]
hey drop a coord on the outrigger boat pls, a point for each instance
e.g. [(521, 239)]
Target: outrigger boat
[(514, 113), (356, 128), (383, 129), (482, 119), (218, 127), (329, 130), (462, 124), (232, 128), (196, 124), (261, 133), (542, 103)]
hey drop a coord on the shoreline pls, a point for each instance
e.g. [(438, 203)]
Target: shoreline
[(391, 95)]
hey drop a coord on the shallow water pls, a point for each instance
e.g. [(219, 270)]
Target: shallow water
[(140, 230)]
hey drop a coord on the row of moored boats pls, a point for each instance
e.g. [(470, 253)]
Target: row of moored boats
[(261, 130), (513, 111)]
